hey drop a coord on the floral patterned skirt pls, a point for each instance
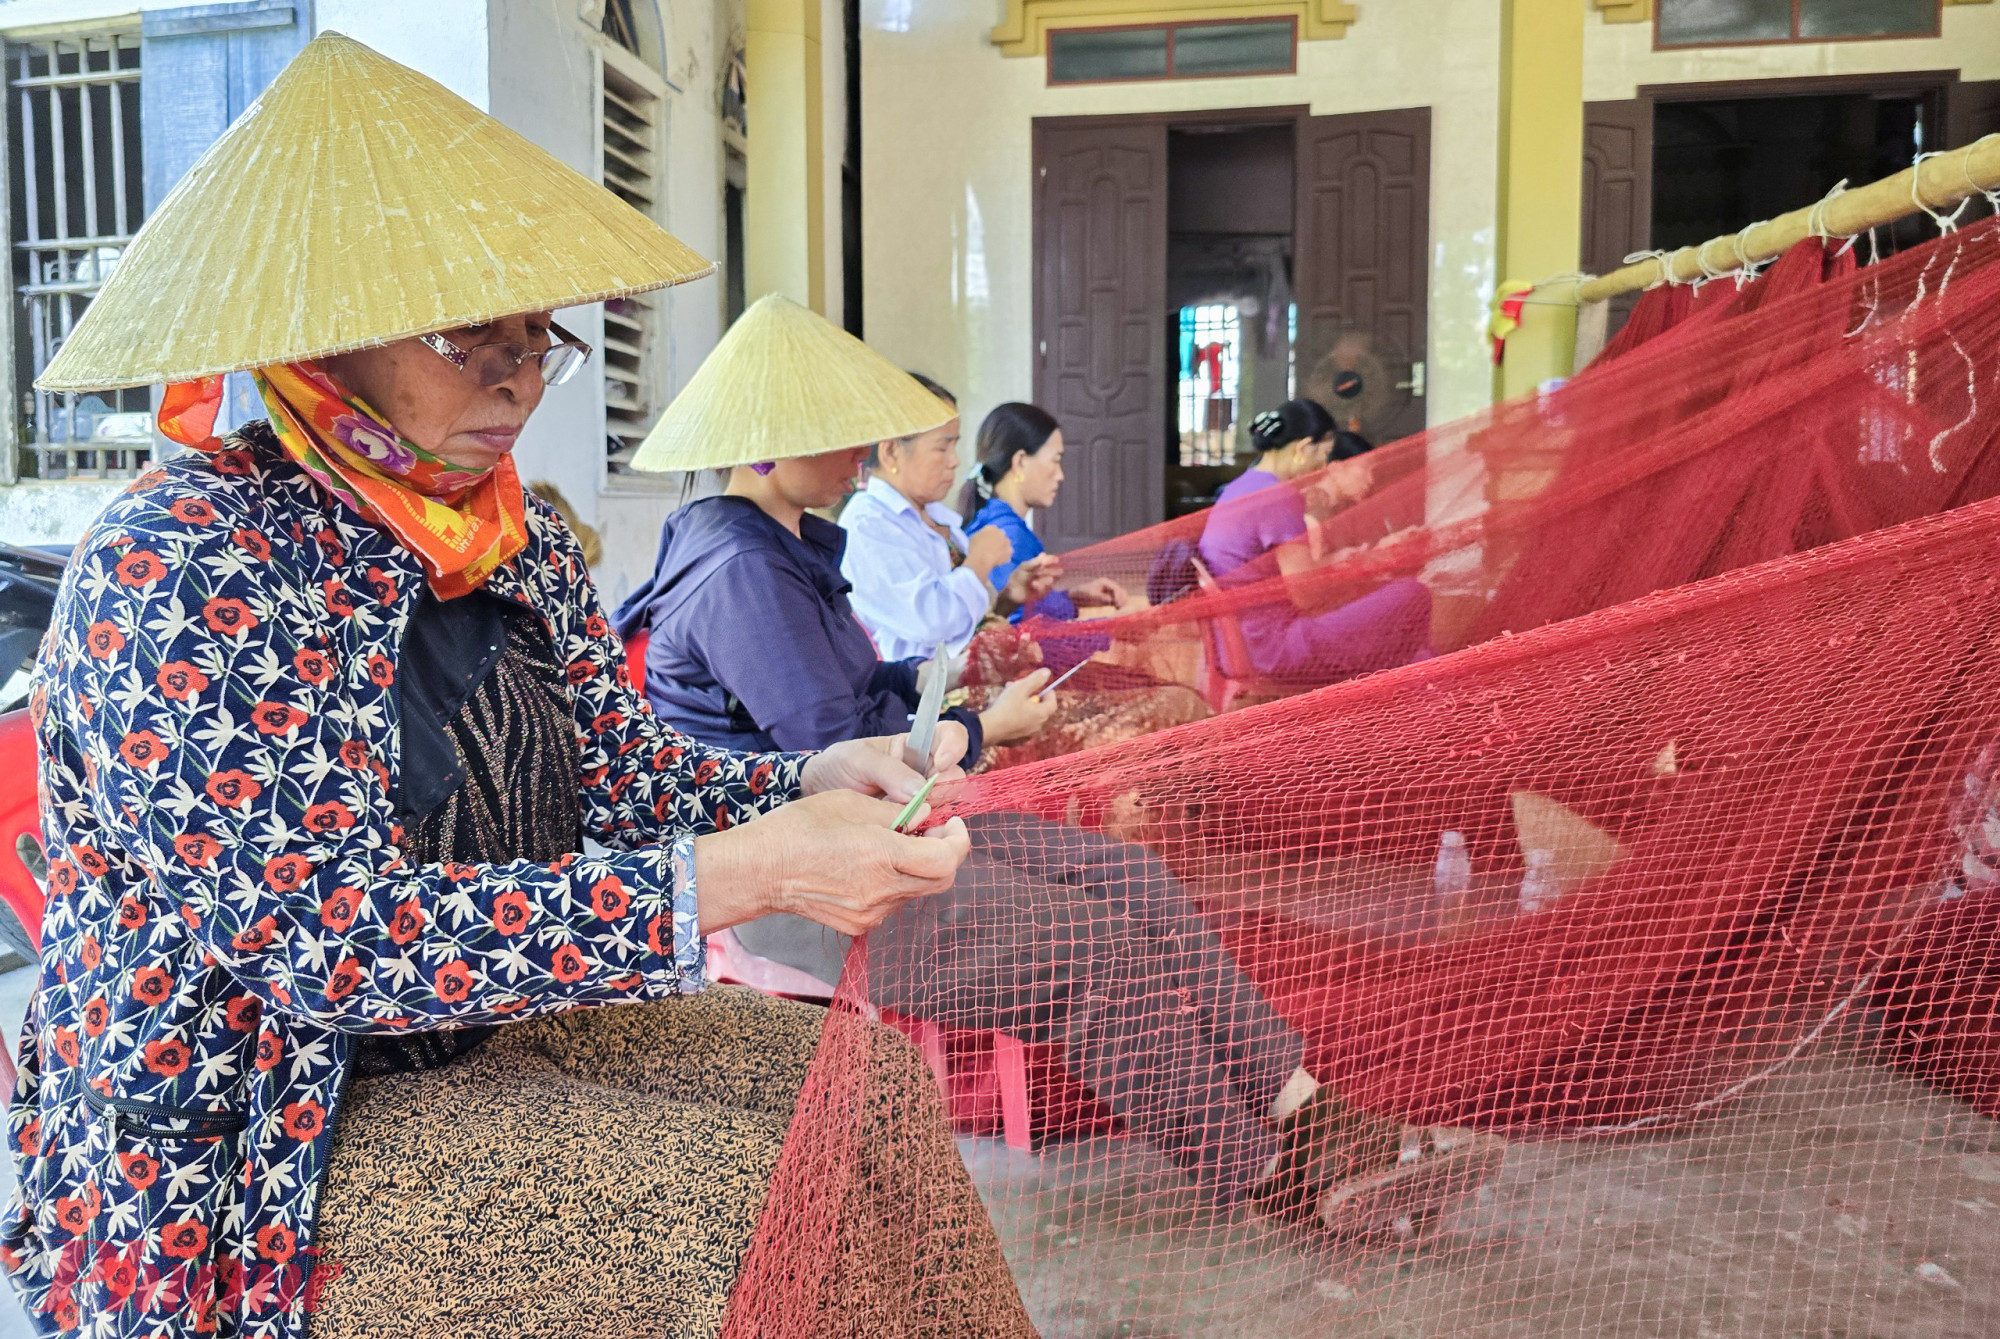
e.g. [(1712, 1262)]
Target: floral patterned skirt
[(598, 1174)]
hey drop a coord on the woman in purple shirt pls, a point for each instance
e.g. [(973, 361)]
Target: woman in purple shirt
[(1258, 530)]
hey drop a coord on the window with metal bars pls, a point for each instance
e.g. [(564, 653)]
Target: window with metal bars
[(631, 129), (78, 195)]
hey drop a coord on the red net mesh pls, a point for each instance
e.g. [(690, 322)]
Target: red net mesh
[(1643, 960), (1678, 1022), (1816, 403)]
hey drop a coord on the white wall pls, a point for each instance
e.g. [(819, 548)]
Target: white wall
[(946, 166), (542, 73), (445, 39), (698, 35)]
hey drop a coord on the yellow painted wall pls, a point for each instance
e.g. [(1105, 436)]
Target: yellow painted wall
[(1541, 177), (784, 190), (946, 165), (947, 225)]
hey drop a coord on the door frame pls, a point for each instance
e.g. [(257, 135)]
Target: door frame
[(1292, 114), (1938, 87), (1807, 86), (1935, 86), (1285, 114)]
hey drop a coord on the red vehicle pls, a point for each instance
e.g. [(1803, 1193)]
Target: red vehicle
[(28, 582)]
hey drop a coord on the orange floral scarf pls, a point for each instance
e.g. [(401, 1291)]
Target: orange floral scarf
[(462, 523)]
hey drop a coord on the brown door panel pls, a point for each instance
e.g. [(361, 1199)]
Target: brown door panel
[(1617, 189), (1362, 264), (1100, 312)]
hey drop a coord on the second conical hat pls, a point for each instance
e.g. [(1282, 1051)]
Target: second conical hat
[(784, 382), (355, 203)]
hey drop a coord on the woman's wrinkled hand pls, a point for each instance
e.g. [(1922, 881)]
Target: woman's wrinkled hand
[(1020, 710), (876, 767), (833, 858)]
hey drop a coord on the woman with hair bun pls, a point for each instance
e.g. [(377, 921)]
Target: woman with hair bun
[(1259, 528)]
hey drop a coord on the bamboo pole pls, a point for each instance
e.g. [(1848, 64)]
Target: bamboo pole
[(1937, 182)]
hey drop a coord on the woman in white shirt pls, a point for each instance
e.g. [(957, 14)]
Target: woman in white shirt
[(917, 579)]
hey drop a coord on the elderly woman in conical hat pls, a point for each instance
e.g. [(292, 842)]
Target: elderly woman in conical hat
[(326, 714)]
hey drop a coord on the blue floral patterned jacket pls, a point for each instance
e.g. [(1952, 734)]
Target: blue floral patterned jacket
[(218, 724)]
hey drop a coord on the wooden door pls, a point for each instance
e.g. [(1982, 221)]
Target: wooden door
[(1362, 262), (1100, 322), (1617, 190), (1972, 111)]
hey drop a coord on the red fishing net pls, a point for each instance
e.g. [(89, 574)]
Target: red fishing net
[(1816, 403), (1618, 893), (1644, 958)]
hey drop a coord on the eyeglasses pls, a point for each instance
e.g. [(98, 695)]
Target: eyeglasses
[(490, 365)]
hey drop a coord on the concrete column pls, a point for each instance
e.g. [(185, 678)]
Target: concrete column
[(784, 213), (1541, 178)]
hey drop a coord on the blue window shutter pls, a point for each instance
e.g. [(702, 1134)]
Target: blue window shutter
[(200, 66)]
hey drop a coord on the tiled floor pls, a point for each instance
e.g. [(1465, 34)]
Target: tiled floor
[(1836, 1199)]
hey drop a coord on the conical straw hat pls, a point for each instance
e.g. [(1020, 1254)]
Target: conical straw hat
[(786, 382), (355, 203)]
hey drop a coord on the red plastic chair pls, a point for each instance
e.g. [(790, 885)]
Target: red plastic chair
[(1227, 671), (635, 660), (994, 1083)]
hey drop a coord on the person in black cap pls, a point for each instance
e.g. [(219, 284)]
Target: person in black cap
[(1258, 530)]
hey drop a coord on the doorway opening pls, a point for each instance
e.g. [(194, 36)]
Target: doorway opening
[(1195, 269), (1718, 164), (1231, 315)]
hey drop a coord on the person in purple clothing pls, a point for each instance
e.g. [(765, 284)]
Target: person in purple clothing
[(751, 634), (1259, 529)]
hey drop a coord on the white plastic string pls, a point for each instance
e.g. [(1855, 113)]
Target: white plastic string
[(1945, 222), (1708, 272), (1751, 268), (1992, 193), (1660, 258), (1816, 219), (1578, 277)]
